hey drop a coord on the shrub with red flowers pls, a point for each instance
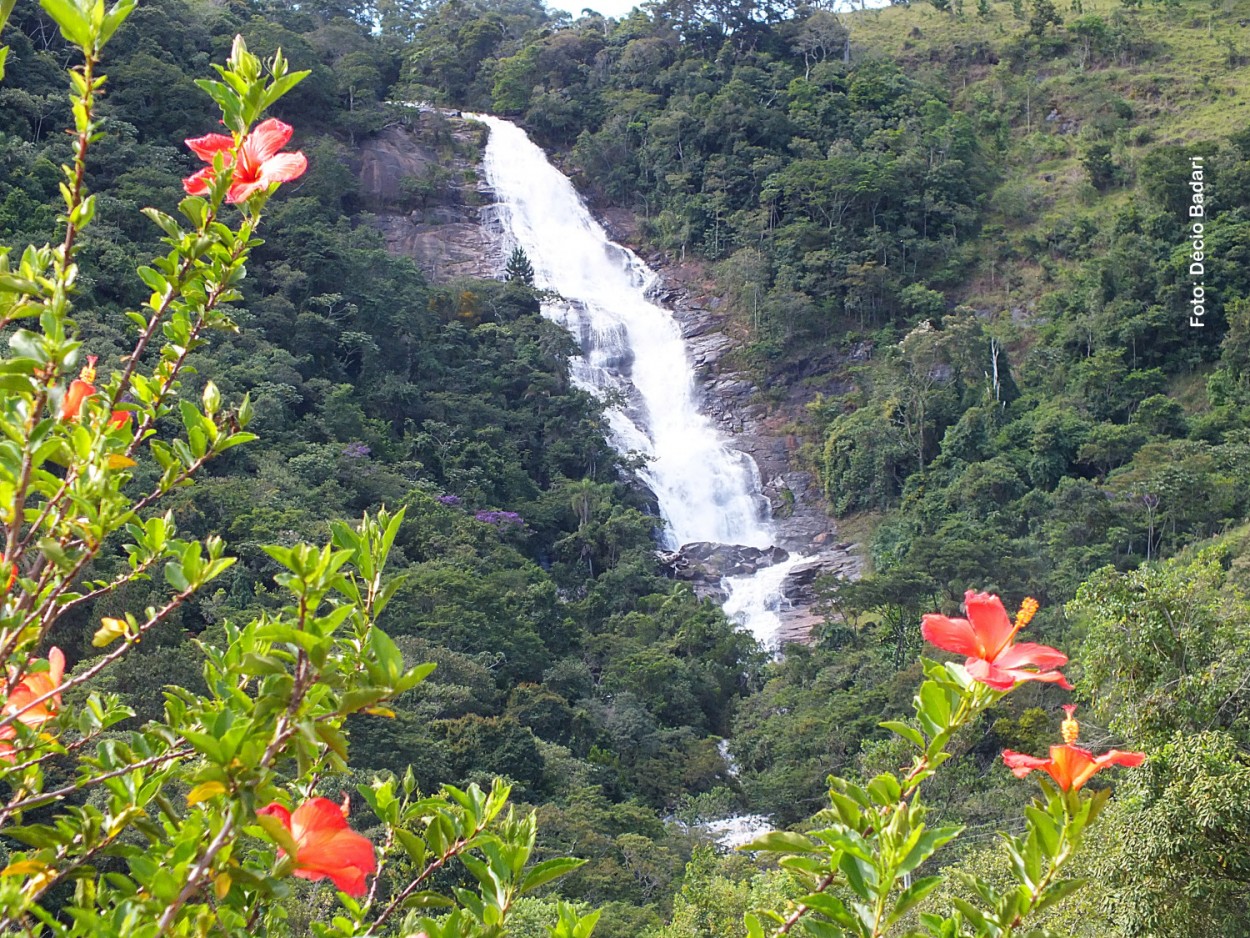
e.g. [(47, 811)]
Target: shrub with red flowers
[(865, 868), (199, 823)]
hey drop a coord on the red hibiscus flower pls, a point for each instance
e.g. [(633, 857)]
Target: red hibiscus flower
[(21, 703), (325, 845), (78, 391), (987, 638), (1070, 765), (82, 388), (259, 165)]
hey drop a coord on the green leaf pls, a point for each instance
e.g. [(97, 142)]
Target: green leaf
[(970, 912), (413, 845), (913, 895), (824, 929), (333, 738), (830, 906), (389, 657), (356, 700), (909, 733), (116, 15), (1044, 827), (853, 869), (927, 844), (782, 842), (428, 900), (1058, 891), (548, 870), (933, 703), (73, 22), (885, 789)]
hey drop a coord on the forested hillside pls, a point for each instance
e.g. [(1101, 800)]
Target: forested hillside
[(956, 239), (959, 242), (566, 664)]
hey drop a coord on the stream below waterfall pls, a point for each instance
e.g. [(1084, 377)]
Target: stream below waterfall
[(634, 357)]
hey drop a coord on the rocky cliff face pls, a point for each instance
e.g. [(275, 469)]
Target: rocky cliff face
[(421, 183), (432, 205)]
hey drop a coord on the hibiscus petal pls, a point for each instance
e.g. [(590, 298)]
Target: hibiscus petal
[(1117, 757), (1021, 764), (56, 665), (283, 167), (953, 635), (349, 880), (342, 848), (209, 145), (990, 622), (1105, 761), (242, 191), (316, 817), (1071, 766), (267, 138), (345, 856), (1046, 677), (71, 403), (1030, 653), (273, 809), (987, 672), (198, 183)]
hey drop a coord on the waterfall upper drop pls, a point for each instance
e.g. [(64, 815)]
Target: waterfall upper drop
[(631, 346)]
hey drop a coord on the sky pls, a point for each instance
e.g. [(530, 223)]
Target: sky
[(615, 8)]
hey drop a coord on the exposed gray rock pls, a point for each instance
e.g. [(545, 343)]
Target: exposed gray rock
[(799, 590), (427, 197), (704, 564)]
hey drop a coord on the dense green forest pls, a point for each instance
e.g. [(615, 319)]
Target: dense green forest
[(566, 664), (959, 241), (957, 238)]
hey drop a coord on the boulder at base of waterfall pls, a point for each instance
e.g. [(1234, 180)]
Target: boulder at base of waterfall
[(703, 564), (722, 560), (797, 616)]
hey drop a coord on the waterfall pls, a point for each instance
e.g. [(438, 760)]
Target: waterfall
[(633, 357)]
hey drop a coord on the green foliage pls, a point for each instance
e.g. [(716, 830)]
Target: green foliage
[(1183, 820), (854, 867), (87, 795), (370, 387), (1165, 646), (519, 268), (717, 891)]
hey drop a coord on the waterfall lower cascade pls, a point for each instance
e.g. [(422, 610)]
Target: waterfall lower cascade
[(634, 356)]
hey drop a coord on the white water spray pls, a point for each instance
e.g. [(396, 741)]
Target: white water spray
[(633, 354)]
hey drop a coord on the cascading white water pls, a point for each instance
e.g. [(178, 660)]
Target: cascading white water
[(633, 355)]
